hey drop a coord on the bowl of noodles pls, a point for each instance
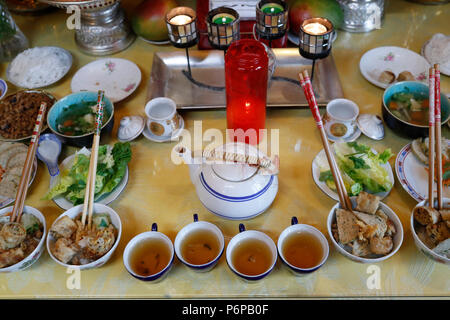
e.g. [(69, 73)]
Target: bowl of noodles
[(72, 245)]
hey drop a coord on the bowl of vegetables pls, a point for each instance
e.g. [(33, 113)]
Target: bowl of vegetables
[(405, 108), (72, 118)]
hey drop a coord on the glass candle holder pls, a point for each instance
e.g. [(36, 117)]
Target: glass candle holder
[(315, 38), (223, 27), (271, 19), (181, 26), (246, 65)]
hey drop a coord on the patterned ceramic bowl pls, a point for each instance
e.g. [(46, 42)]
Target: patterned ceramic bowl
[(419, 244), (33, 256)]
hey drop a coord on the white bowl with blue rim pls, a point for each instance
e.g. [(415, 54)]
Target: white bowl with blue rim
[(37, 252), (193, 227), (153, 234), (3, 88), (245, 235), (294, 228)]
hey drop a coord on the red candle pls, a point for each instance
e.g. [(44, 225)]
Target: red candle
[(246, 67)]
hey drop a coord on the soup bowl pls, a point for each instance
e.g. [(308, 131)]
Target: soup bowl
[(37, 252), (418, 241), (401, 126), (74, 212), (57, 111)]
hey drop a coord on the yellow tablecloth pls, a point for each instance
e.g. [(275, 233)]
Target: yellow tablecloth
[(159, 191)]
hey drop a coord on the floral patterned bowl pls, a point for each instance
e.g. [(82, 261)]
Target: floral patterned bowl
[(33, 256)]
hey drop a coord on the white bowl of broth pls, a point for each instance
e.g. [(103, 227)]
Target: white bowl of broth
[(303, 248), (251, 254), (31, 252), (199, 245), (149, 256)]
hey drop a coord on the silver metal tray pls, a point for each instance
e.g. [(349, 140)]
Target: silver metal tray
[(169, 78)]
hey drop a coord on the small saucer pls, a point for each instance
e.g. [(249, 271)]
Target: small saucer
[(371, 126), (152, 137), (350, 138)]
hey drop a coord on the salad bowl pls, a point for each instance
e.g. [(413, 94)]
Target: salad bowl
[(379, 170), (67, 189)]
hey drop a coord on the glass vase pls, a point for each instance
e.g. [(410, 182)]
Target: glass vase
[(246, 73), (12, 40)]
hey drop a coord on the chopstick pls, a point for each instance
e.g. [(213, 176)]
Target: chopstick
[(340, 187), (26, 171), (431, 139), (88, 205), (437, 120)]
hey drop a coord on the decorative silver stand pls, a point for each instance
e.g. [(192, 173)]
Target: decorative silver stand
[(104, 29)]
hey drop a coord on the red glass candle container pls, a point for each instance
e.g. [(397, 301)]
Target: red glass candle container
[(246, 73)]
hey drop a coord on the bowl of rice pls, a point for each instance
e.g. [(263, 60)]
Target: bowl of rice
[(39, 67)]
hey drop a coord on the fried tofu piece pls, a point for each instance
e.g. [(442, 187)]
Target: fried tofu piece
[(445, 214), (63, 228), (368, 203), (377, 225), (361, 248), (348, 228), (382, 245), (382, 215), (11, 256), (64, 250), (438, 231), (390, 228), (426, 215)]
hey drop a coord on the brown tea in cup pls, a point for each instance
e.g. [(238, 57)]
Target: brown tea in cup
[(302, 250), (150, 256), (200, 247), (252, 257)]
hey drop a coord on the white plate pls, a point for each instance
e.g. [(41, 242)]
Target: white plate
[(7, 201), (62, 55), (150, 136), (106, 199), (431, 49), (394, 59), (413, 175), (117, 77), (331, 193)]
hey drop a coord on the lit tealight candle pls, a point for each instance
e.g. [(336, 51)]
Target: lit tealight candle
[(223, 18), (272, 7), (180, 20), (315, 28)]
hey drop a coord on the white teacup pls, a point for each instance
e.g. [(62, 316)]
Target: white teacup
[(296, 228), (163, 118), (239, 239), (195, 227), (340, 119)]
